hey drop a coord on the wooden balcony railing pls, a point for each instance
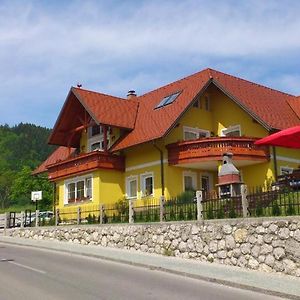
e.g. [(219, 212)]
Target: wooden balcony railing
[(207, 149), (84, 163)]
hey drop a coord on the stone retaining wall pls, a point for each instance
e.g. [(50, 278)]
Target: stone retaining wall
[(271, 245)]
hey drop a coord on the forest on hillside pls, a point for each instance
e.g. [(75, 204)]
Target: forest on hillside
[(22, 148)]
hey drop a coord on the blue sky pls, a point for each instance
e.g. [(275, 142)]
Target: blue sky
[(114, 46)]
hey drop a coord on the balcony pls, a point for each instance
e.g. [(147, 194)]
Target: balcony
[(206, 152), (84, 163)]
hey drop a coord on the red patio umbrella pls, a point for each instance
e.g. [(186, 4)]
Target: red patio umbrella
[(289, 138)]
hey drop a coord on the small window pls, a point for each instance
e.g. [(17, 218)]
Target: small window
[(190, 133), (71, 192), (78, 189), (189, 181), (131, 187), (231, 131), (95, 130), (168, 100), (89, 189), (147, 185)]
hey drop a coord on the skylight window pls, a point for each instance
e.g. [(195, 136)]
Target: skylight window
[(168, 100)]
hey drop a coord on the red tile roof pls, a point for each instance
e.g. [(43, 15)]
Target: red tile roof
[(295, 105), (107, 109), (273, 109), (267, 106), (60, 154)]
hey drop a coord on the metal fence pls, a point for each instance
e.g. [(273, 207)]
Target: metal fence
[(259, 202), (222, 208)]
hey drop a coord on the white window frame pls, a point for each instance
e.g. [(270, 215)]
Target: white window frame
[(99, 138), (196, 131), (143, 183), (75, 180), (286, 168), (127, 184), (232, 128), (194, 179)]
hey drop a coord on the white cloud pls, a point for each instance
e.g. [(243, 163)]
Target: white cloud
[(47, 46)]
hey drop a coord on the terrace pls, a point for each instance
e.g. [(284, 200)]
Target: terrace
[(206, 152), (84, 163)]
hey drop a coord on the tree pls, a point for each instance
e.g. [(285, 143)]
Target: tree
[(6, 178), (24, 183)]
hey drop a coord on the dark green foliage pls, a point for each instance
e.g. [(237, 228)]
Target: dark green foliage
[(259, 209), (91, 219), (189, 214), (210, 213), (181, 214), (156, 216), (290, 209), (22, 148), (221, 213), (276, 209), (186, 197), (105, 219), (232, 212), (148, 216), (172, 215), (114, 218)]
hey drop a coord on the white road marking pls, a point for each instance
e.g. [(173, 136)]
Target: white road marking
[(27, 267)]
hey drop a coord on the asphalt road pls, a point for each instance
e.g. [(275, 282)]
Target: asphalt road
[(27, 273)]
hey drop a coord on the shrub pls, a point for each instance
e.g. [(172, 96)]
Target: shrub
[(276, 209), (172, 215), (186, 197), (181, 214), (210, 213), (259, 209)]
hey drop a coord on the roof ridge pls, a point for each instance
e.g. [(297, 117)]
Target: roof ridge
[(103, 94), (251, 82), (175, 81)]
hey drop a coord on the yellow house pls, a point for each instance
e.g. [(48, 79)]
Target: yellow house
[(168, 140)]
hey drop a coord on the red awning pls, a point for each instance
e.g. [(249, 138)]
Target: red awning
[(289, 138)]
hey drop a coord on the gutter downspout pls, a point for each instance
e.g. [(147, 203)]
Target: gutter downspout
[(162, 176)]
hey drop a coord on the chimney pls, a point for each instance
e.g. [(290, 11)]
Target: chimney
[(131, 94)]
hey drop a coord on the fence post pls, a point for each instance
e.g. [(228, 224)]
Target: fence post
[(37, 217), (161, 208), (22, 219), (131, 211), (78, 215), (7, 220), (245, 203), (199, 196), (57, 217), (101, 213)]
